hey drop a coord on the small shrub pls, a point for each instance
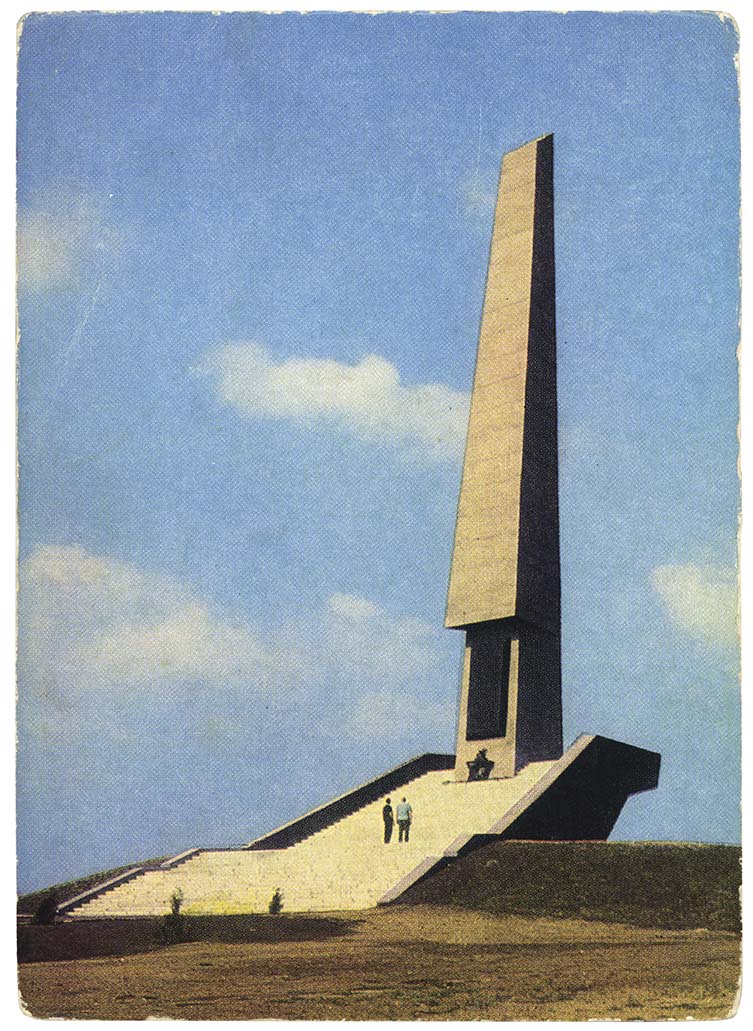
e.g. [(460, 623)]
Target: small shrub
[(173, 926), (47, 909), (176, 901), (275, 903)]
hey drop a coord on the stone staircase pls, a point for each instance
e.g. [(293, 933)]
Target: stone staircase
[(343, 866)]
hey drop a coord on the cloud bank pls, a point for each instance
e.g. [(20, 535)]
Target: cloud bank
[(366, 400), (93, 628), (701, 601), (93, 622)]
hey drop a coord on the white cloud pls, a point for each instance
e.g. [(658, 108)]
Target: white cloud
[(366, 400), (366, 639), (87, 621), (188, 643), (384, 713), (94, 627), (60, 240), (701, 601), (43, 252)]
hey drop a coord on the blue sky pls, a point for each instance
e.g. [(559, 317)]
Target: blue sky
[(252, 255)]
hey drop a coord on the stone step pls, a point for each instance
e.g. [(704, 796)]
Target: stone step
[(345, 865)]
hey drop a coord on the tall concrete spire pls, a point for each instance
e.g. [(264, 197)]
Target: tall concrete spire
[(505, 594), (504, 588)]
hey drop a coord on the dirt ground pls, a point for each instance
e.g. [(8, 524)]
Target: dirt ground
[(408, 963)]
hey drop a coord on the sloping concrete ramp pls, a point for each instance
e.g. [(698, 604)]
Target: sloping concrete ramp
[(335, 858)]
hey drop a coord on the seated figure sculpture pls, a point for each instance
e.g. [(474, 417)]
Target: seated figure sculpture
[(480, 767)]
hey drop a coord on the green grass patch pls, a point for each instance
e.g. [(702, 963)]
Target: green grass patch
[(648, 884)]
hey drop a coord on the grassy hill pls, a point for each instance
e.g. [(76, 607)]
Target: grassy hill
[(513, 931), (648, 884)]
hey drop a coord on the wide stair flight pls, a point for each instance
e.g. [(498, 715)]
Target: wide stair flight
[(346, 865)]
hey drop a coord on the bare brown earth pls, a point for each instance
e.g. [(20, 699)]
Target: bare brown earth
[(417, 962)]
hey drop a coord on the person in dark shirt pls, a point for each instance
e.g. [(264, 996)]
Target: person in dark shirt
[(389, 820)]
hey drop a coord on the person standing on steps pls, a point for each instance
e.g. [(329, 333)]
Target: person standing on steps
[(388, 821), (404, 820)]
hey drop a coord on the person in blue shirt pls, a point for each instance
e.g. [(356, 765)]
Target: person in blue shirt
[(404, 820)]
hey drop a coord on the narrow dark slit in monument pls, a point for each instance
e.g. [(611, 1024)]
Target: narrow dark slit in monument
[(488, 686)]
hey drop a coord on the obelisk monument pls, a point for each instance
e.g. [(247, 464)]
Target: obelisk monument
[(504, 588), (504, 593)]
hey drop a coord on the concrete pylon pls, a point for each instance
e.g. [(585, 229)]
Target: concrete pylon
[(504, 588), (504, 593)]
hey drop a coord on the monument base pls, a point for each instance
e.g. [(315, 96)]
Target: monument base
[(335, 858)]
